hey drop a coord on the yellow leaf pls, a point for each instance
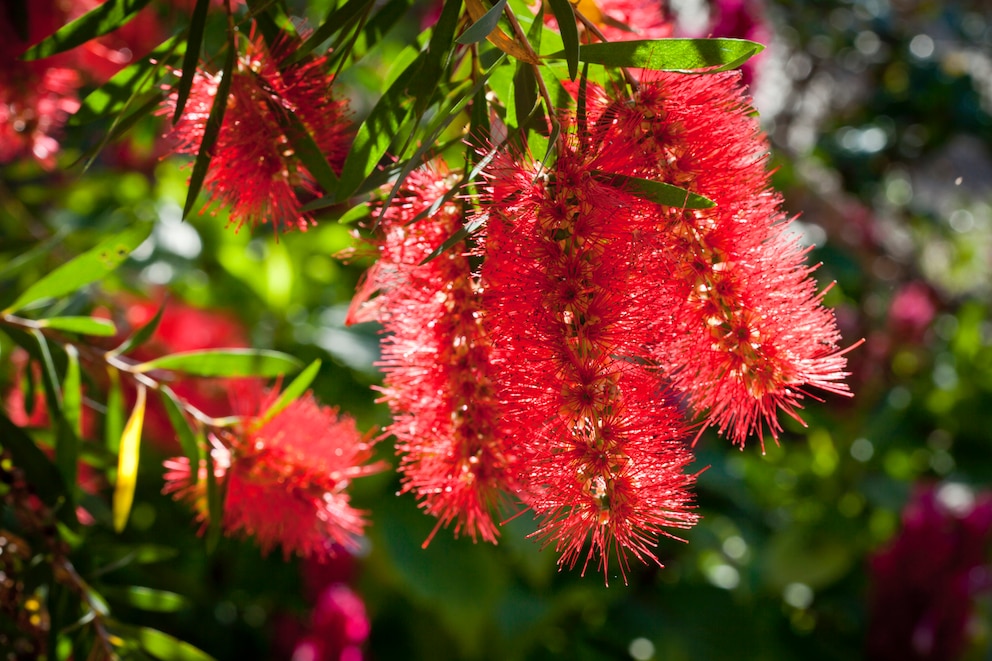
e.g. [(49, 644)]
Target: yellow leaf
[(127, 462)]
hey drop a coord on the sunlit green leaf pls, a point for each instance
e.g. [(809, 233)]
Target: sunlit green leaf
[(670, 54), (89, 267), (102, 19), (118, 93), (338, 18), (168, 648), (293, 391), (81, 325), (148, 599), (113, 425), (127, 465), (224, 362), (656, 191)]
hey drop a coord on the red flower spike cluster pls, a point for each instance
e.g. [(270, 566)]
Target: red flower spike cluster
[(600, 440), (438, 378), (255, 171), (594, 312), (745, 333), (285, 478)]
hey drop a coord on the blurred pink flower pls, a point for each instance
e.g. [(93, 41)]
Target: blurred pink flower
[(925, 581)]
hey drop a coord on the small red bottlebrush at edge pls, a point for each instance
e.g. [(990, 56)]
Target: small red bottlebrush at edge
[(285, 478), (600, 443), (747, 334), (254, 171), (435, 356)]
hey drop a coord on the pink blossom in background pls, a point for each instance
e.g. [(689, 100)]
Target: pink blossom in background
[(925, 580)]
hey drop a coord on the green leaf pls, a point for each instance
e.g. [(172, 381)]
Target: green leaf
[(144, 333), (113, 426), (118, 93), (127, 462), (656, 191), (81, 325), (670, 54), (89, 267), (148, 599), (103, 19), (337, 19), (187, 441), (292, 391), (224, 362), (212, 129), (39, 469), (483, 27), (191, 59), (376, 133), (168, 648), (461, 234), (565, 16), (72, 393), (150, 100), (309, 153)]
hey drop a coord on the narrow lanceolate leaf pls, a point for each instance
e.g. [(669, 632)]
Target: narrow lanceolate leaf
[(104, 18), (113, 425), (168, 648), (670, 54), (191, 59), (147, 599), (656, 191), (483, 25), (40, 471), (376, 133), (117, 93), (72, 394), (81, 325), (127, 462), (466, 230), (292, 391), (565, 16), (187, 440), (212, 129), (338, 18), (144, 333), (310, 154), (224, 362), (477, 10), (89, 267)]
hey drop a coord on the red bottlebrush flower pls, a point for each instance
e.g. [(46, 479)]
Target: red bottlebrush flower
[(36, 97), (747, 334), (254, 170), (599, 443), (924, 583), (435, 356), (285, 478)]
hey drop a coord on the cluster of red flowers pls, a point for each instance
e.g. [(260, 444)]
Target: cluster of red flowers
[(555, 371), (285, 476), (255, 171)]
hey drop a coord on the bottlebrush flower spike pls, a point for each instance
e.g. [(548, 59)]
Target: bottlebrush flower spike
[(748, 334), (255, 171), (285, 478), (435, 356), (599, 443)]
